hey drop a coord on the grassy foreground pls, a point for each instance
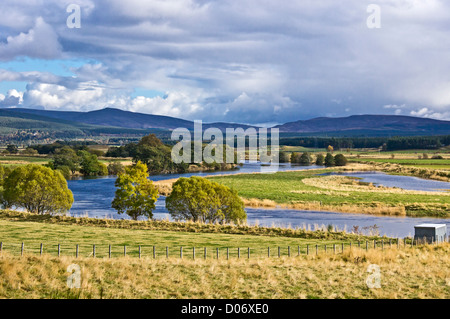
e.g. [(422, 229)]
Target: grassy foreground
[(32, 230), (419, 272)]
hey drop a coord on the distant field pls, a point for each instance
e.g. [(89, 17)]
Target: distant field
[(22, 160)]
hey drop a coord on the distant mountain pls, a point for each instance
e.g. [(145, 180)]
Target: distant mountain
[(119, 118), (115, 121), (373, 124)]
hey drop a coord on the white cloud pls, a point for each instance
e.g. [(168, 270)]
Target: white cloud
[(40, 42), (57, 97), (425, 112)]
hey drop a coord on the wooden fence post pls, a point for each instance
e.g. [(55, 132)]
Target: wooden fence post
[(109, 251), (307, 249), (317, 250), (239, 252), (268, 251), (367, 245), (59, 250), (217, 253), (289, 251), (1, 247), (279, 252), (193, 253), (22, 248), (41, 249), (248, 253), (181, 252), (334, 248), (93, 250), (139, 251), (154, 252), (76, 252), (167, 251), (228, 254), (124, 250), (204, 253)]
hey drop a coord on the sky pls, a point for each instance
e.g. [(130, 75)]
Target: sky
[(245, 61)]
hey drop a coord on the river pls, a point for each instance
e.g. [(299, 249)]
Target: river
[(93, 197)]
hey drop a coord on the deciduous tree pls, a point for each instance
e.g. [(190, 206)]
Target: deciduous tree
[(38, 189), (135, 195), (199, 199)]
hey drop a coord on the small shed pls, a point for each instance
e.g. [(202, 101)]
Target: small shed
[(431, 233)]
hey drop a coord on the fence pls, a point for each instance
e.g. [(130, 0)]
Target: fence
[(153, 251)]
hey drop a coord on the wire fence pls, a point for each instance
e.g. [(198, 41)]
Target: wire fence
[(155, 251)]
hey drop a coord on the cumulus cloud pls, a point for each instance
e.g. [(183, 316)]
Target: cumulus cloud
[(12, 98), (242, 61), (39, 42)]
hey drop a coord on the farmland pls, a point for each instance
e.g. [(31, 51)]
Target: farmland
[(405, 272)]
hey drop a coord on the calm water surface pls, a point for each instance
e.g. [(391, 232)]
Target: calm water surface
[(93, 197)]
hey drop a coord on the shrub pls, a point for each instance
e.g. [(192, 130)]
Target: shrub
[(38, 189), (199, 199)]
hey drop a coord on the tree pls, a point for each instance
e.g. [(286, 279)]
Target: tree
[(38, 189), (295, 158), (330, 149), (329, 160), (12, 149), (284, 157), (90, 165), (305, 159), (66, 156), (135, 195), (200, 199), (340, 160), (320, 159), (115, 168)]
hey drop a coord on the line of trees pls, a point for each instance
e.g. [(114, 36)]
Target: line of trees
[(307, 159), (390, 143)]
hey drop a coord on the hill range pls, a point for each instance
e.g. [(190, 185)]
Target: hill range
[(115, 121)]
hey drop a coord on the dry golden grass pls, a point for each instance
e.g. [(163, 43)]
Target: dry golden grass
[(420, 272), (372, 209)]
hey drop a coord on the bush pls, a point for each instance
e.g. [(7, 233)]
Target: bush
[(340, 160), (320, 159), (199, 199), (329, 160), (115, 168), (38, 189)]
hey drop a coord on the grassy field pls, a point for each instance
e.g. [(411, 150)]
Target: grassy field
[(405, 272), (32, 230), (22, 160), (308, 190), (418, 272)]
